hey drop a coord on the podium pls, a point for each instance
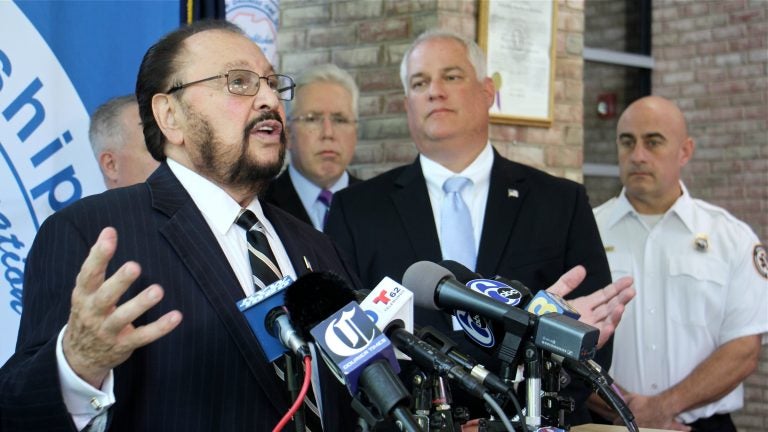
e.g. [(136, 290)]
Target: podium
[(609, 428)]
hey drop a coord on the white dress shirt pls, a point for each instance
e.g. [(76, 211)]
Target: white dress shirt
[(698, 286)]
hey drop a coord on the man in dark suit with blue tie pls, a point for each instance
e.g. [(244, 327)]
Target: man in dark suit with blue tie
[(461, 200), (321, 142), (150, 338)]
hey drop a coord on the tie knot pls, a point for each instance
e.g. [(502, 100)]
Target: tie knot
[(247, 220), (455, 184), (325, 197)]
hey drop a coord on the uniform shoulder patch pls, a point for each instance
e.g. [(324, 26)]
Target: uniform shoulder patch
[(760, 257)]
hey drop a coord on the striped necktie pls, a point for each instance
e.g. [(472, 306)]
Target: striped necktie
[(263, 263), (265, 272)]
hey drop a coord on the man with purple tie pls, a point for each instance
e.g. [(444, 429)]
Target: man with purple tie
[(321, 142)]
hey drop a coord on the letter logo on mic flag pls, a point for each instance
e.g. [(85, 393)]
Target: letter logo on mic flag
[(389, 302), (344, 334), (352, 342)]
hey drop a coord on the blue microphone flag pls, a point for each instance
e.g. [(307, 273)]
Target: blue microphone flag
[(256, 306)]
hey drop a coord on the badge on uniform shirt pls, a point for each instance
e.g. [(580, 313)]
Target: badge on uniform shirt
[(761, 260), (701, 243)]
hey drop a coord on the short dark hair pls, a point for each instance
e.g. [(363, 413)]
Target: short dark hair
[(157, 74)]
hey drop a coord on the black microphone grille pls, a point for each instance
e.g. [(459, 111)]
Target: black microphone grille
[(314, 297), (460, 271), (422, 278)]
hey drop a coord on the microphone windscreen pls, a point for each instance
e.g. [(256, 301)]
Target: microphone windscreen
[(460, 271), (422, 278), (314, 297)]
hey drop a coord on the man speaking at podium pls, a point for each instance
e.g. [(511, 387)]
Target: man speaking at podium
[(114, 352)]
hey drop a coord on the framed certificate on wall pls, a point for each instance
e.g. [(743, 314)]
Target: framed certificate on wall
[(519, 41)]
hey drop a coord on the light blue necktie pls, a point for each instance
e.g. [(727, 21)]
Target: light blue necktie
[(457, 239)]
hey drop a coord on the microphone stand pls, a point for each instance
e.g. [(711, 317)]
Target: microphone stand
[(532, 372), (294, 386), (441, 401), (554, 406), (422, 399)]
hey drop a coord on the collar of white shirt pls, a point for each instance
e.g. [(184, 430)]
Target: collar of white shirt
[(683, 208), (309, 191)]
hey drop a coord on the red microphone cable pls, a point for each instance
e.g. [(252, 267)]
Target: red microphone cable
[(300, 399)]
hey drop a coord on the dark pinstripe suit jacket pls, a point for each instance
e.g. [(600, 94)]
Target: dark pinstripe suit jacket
[(209, 374), (282, 194)]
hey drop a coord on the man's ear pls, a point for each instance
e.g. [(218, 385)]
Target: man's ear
[(108, 164), (489, 89), (687, 151), (166, 111)]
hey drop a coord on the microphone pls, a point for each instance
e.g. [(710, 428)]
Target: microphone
[(389, 302), (478, 329), (512, 292), (315, 296), (447, 346), (265, 315), (396, 321), (434, 287), (323, 309)]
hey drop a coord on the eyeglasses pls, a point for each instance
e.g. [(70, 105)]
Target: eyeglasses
[(315, 120), (246, 83)]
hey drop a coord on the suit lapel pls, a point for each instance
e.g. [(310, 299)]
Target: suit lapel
[(505, 197), (286, 197), (411, 201), (303, 258), (188, 233)]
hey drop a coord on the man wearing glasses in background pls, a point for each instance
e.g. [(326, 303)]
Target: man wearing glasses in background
[(321, 142), (107, 348)]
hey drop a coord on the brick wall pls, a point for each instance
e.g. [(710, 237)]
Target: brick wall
[(368, 39), (712, 58)]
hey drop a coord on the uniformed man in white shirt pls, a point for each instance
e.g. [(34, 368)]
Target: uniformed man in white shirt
[(692, 335)]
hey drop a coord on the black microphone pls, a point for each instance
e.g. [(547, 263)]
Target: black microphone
[(314, 297), (476, 328), (510, 291), (324, 310), (446, 345), (434, 287), (393, 308)]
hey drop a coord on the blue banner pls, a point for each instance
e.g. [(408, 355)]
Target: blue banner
[(59, 60)]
